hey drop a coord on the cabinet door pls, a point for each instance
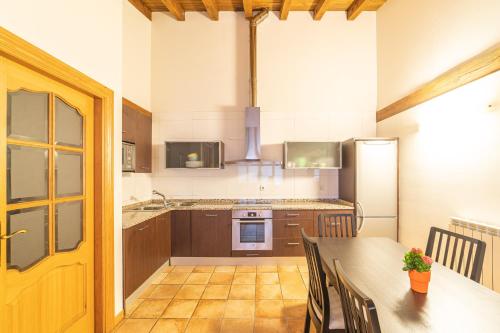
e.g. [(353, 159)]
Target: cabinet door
[(163, 239), (128, 124), (211, 233), (181, 233), (143, 143), (139, 254)]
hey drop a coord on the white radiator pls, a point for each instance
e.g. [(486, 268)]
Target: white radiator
[(489, 234)]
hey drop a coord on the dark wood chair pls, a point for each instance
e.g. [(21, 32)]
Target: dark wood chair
[(323, 303), (460, 253), (337, 225), (360, 314)]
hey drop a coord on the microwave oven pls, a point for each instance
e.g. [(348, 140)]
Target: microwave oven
[(128, 157)]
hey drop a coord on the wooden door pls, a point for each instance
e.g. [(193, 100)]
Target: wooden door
[(211, 233), (46, 204)]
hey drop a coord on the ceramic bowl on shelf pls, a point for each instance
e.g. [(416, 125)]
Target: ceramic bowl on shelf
[(194, 164)]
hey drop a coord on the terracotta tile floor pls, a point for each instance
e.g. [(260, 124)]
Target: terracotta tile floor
[(221, 299)]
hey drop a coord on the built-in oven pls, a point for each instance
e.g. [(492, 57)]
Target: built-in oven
[(128, 157), (252, 230)]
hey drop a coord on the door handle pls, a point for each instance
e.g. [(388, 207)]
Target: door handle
[(360, 216), (22, 231)]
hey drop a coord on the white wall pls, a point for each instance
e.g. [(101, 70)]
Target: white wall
[(136, 69), (72, 31), (449, 146), (316, 81)]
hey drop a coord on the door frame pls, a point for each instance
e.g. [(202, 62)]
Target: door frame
[(24, 53)]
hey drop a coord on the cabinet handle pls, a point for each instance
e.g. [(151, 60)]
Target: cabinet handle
[(211, 215), (292, 224), (292, 214), (124, 131), (143, 228), (294, 244), (252, 254)]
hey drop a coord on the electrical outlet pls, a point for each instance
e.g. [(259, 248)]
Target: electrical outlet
[(261, 188)]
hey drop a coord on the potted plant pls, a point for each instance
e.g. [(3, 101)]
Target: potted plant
[(418, 266)]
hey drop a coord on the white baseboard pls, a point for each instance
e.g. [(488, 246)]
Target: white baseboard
[(143, 286)]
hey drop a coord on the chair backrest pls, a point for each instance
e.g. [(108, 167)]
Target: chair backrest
[(460, 253), (318, 292), (360, 314), (340, 225)]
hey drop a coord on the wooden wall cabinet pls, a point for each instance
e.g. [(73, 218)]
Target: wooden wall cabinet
[(211, 233), (146, 247), (137, 126)]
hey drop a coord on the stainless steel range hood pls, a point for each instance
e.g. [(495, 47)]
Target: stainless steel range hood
[(252, 113)]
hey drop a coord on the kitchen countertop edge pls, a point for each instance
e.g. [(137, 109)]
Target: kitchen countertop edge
[(131, 218)]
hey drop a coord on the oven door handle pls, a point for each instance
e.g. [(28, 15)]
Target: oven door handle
[(252, 221)]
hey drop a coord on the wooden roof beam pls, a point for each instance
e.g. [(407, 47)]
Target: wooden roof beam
[(320, 9), (355, 9), (140, 6), (248, 8), (285, 8), (212, 9), (175, 9), (483, 64)]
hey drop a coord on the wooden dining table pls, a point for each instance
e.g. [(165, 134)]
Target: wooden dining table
[(453, 303)]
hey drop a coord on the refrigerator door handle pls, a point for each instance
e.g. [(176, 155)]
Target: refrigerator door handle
[(360, 215)]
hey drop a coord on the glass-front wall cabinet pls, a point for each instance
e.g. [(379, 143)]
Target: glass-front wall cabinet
[(313, 155), (201, 155)]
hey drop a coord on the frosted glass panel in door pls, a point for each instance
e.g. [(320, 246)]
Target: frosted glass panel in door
[(377, 177), (28, 115), (69, 174), (69, 125), (69, 225), (26, 173), (25, 250)]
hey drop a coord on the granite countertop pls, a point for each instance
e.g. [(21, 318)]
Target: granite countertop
[(131, 218)]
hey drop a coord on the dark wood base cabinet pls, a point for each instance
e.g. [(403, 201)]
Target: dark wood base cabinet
[(146, 247), (211, 234), (287, 240), (181, 233)]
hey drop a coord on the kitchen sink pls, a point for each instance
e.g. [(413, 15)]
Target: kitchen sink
[(187, 204), (146, 208)]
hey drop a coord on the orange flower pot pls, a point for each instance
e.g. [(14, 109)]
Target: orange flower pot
[(419, 281)]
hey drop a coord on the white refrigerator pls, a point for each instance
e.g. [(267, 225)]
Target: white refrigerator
[(369, 179)]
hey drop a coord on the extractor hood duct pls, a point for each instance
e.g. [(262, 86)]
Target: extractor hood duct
[(252, 113)]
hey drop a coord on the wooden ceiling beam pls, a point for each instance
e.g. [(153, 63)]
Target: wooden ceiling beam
[(175, 9), (285, 8), (355, 9), (248, 8), (212, 9), (470, 70), (140, 6), (320, 9)]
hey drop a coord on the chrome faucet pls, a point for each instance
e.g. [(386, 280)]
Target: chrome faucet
[(155, 192)]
